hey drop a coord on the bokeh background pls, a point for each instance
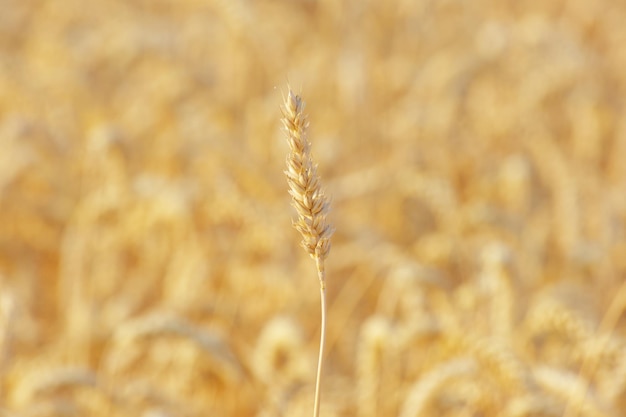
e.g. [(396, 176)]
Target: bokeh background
[(475, 153)]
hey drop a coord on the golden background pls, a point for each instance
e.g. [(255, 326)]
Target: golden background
[(475, 153)]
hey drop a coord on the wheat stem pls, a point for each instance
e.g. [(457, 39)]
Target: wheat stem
[(312, 206), (321, 275)]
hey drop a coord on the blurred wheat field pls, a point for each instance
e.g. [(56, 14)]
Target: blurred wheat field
[(475, 153)]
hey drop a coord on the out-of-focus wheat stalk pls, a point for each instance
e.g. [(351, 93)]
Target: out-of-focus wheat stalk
[(589, 363), (419, 394), (311, 204), (374, 338)]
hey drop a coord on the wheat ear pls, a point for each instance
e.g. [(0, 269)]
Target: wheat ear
[(311, 204)]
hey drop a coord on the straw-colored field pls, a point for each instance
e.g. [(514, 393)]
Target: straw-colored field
[(475, 153)]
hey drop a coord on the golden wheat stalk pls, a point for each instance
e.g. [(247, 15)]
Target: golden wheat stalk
[(311, 204)]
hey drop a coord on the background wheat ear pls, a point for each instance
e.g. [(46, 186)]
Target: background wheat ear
[(311, 204)]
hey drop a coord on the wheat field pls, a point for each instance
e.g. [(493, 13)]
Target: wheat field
[(475, 158)]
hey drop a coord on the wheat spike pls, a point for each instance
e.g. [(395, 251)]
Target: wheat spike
[(307, 195), (311, 204), (427, 387)]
